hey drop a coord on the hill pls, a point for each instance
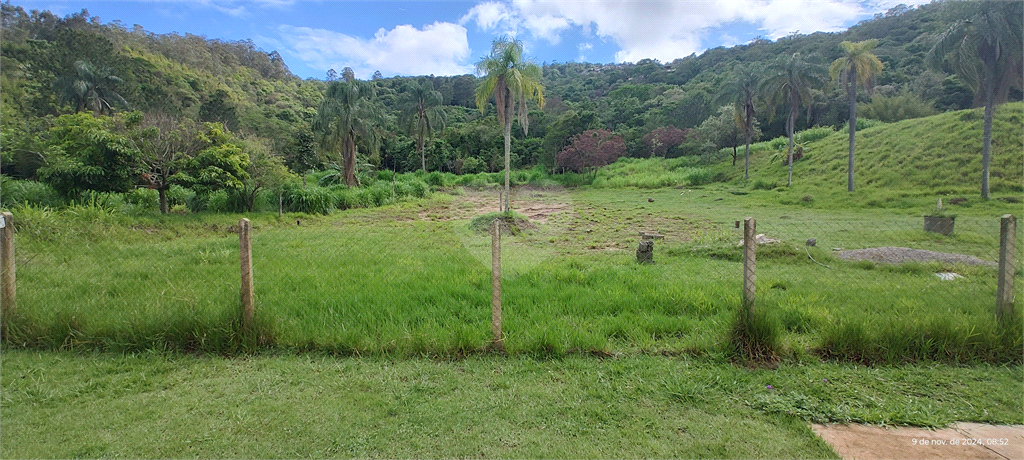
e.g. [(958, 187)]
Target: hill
[(933, 156)]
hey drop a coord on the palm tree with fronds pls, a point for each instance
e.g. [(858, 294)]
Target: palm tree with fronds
[(510, 80), (349, 113), (742, 92), (422, 114), (789, 81), (92, 88), (985, 52), (857, 67)]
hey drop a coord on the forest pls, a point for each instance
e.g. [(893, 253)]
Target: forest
[(91, 108)]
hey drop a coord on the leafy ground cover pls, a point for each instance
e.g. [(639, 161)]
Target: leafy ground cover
[(156, 405)]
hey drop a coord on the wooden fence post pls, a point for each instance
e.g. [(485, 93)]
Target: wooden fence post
[(8, 302), (499, 343), (749, 271), (245, 254), (1007, 264)]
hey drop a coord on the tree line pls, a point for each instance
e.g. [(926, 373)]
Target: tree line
[(93, 106)]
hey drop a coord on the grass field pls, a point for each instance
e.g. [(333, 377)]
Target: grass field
[(154, 405), (413, 279), (373, 324)]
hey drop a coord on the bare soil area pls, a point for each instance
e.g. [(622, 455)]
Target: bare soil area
[(961, 441), (537, 205), (897, 255)]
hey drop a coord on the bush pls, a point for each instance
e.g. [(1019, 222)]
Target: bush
[(813, 134), (27, 192), (473, 165), (310, 200)]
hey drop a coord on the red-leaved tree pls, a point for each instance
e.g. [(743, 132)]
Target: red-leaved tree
[(590, 150), (661, 139)]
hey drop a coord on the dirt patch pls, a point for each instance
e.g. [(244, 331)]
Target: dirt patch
[(537, 205), (896, 255), (962, 441)]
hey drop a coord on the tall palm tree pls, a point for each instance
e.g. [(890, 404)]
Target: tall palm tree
[(91, 88), (985, 51), (349, 112), (857, 67), (511, 80), (790, 81), (422, 114), (742, 92)]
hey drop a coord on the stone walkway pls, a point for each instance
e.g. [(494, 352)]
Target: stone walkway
[(961, 441)]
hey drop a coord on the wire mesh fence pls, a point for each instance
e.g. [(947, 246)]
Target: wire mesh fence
[(574, 279)]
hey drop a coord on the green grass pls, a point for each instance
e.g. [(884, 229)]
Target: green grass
[(154, 405), (408, 280), (897, 163)]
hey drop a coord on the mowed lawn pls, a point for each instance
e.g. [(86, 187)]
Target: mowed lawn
[(158, 405)]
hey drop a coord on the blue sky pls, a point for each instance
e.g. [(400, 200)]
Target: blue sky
[(448, 37)]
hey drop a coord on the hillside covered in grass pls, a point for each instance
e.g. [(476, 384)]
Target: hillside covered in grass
[(938, 155)]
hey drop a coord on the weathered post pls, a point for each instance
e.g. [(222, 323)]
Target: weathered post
[(8, 301), (749, 271), (245, 253), (1007, 263), (499, 343)]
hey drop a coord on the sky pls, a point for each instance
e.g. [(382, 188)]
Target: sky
[(424, 37)]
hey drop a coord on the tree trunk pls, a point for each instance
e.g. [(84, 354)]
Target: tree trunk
[(508, 162), (420, 144), (162, 192), (508, 148), (789, 132), (734, 155), (852, 92), (350, 160), (746, 158), (986, 146)]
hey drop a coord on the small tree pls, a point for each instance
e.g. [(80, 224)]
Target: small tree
[(87, 153), (724, 130), (165, 142), (663, 139), (266, 170), (591, 150)]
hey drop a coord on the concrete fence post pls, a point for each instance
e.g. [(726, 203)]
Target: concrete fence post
[(8, 302), (1007, 264), (245, 254), (499, 343), (749, 270)]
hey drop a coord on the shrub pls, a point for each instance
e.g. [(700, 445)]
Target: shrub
[(27, 192), (473, 165), (310, 200), (813, 134)]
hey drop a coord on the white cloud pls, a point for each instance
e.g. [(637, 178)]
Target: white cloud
[(669, 29), (487, 15), (440, 48)]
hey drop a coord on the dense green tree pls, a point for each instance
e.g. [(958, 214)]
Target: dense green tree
[(789, 82), (510, 80), (421, 114), (984, 49), (222, 165), (857, 67), (349, 113), (88, 153), (92, 88)]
